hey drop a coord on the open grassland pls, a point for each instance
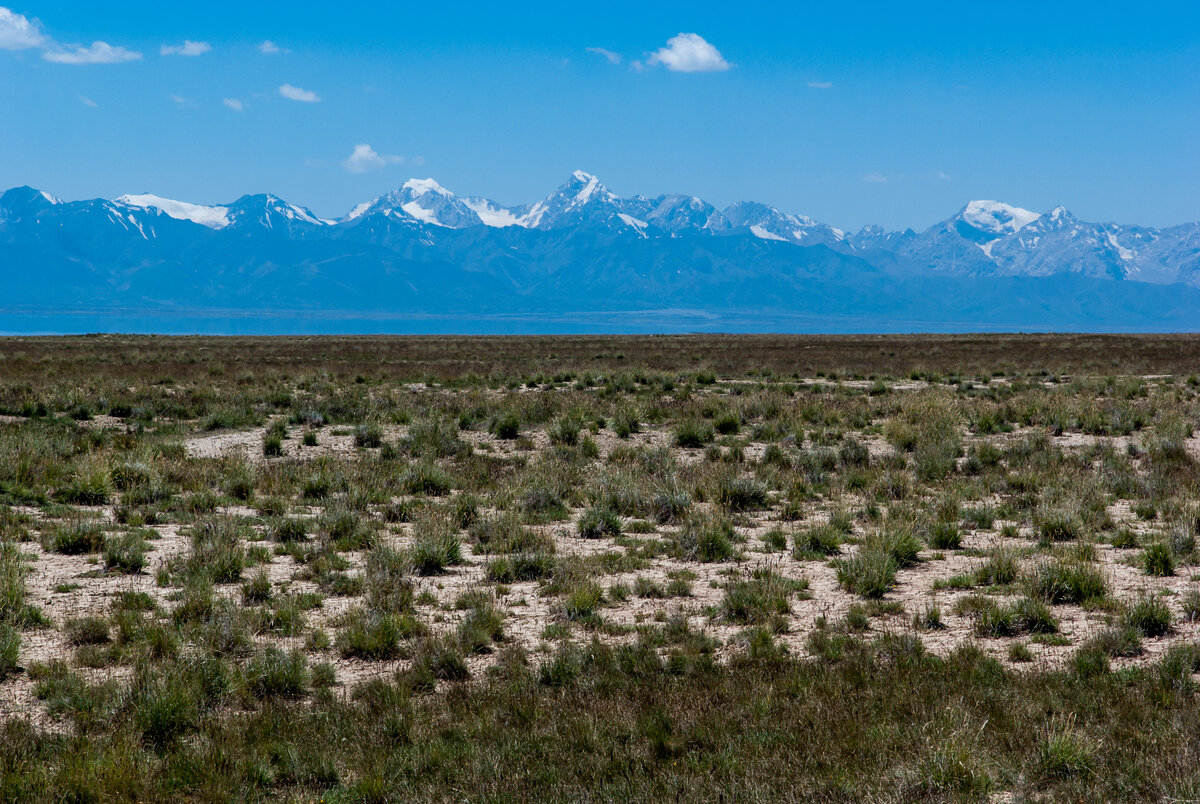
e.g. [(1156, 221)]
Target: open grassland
[(755, 568)]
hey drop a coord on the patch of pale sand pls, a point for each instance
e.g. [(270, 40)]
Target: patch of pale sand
[(1078, 442), (93, 597), (247, 444)]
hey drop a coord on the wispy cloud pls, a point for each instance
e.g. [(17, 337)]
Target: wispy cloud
[(821, 84), (365, 158), (875, 178), (234, 103), (271, 49), (943, 175), (188, 48), (182, 102), (297, 94), (689, 53), (18, 32), (88, 102), (612, 58), (97, 53)]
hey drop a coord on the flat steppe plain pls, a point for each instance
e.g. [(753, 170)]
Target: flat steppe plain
[(675, 567)]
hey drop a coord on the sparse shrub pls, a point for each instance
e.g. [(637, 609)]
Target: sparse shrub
[(10, 650), (759, 597), (85, 488), (1063, 753), (521, 567), (1000, 568), (257, 589), (626, 423), (388, 587), (272, 445), (727, 423)]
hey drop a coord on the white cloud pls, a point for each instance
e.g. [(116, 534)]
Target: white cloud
[(613, 58), (18, 32), (821, 84), (182, 102), (943, 175), (98, 53), (88, 102), (689, 53), (875, 178), (270, 48), (188, 48), (365, 158), (297, 94), (234, 103)]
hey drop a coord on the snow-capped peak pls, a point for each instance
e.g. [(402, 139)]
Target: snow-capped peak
[(492, 214), (996, 217), (212, 217), (422, 186)]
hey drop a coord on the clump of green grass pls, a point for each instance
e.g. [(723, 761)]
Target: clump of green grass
[(1158, 559), (1149, 615), (74, 537), (735, 492), (599, 521), (1066, 581), (436, 545), (817, 541), (1059, 526), (1062, 753), (278, 674), (369, 435), (871, 572), (371, 635), (945, 536), (692, 434), (707, 538), (125, 552), (217, 553), (506, 425), (759, 597), (86, 487), (425, 478)]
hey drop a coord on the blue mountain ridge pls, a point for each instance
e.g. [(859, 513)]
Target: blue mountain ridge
[(422, 259)]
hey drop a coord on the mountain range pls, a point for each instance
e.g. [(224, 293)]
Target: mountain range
[(422, 258)]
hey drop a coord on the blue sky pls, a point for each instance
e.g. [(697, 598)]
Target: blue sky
[(852, 113)]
